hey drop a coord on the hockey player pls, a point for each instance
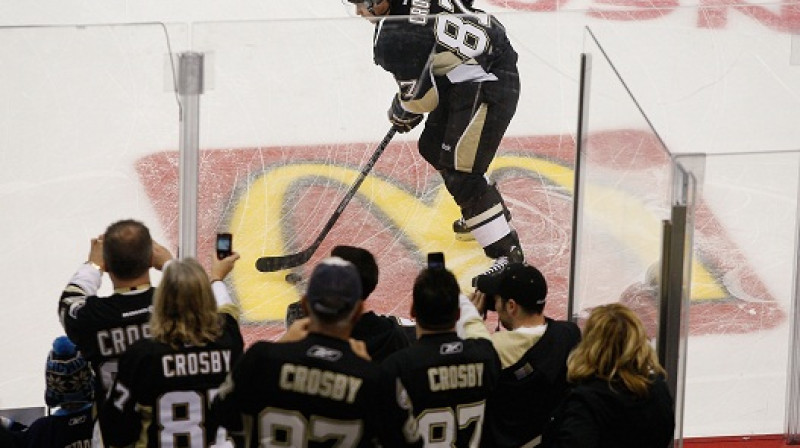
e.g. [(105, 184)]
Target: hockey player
[(311, 391), (438, 387), (165, 384), (104, 327), (457, 65), (533, 354), (69, 394)]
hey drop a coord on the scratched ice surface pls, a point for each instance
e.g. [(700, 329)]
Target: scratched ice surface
[(292, 110)]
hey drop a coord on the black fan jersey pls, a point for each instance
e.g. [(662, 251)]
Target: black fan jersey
[(161, 394), (103, 327), (61, 429), (437, 391), (446, 43), (311, 393), (383, 335)]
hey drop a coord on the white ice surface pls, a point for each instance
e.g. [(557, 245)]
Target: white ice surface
[(706, 90)]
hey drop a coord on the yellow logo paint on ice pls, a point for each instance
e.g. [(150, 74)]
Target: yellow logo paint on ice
[(258, 212)]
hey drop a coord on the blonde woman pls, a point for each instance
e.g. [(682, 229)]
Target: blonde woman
[(164, 384), (619, 398)]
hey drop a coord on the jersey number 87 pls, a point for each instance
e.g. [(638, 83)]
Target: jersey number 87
[(282, 428), (180, 416), (438, 427)]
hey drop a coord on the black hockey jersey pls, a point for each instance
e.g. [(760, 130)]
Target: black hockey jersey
[(104, 327), (311, 393), (161, 394), (383, 335), (68, 429), (437, 391), (429, 49)]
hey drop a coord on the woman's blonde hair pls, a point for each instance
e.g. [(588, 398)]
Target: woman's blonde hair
[(615, 348), (184, 308)]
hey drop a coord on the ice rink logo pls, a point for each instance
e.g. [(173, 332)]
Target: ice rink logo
[(783, 17), (276, 200)]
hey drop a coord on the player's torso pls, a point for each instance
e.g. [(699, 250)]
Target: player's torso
[(318, 389), (452, 34)]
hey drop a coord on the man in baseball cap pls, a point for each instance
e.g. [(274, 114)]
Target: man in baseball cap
[(333, 290), (533, 353), (383, 334), (519, 281), (293, 380)]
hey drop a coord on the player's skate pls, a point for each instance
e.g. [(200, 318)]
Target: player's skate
[(514, 255)]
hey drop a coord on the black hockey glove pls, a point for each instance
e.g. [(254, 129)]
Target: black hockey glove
[(402, 119)]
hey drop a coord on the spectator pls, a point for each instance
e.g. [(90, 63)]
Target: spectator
[(533, 354), (104, 327), (313, 385), (383, 335), (164, 384), (70, 390), (436, 389), (619, 397)]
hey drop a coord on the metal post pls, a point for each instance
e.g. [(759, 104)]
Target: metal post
[(663, 298), (190, 87), (577, 206), (793, 375), (672, 298), (675, 290)]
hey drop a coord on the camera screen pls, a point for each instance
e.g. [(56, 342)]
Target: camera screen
[(436, 260), (224, 244)]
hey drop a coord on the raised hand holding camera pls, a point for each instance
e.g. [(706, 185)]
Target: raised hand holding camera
[(224, 245)]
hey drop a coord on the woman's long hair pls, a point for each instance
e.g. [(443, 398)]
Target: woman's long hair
[(615, 348), (184, 308)]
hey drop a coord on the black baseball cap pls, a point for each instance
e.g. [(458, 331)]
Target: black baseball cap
[(334, 287), (519, 281)]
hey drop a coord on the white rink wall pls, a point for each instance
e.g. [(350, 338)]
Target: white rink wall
[(713, 80)]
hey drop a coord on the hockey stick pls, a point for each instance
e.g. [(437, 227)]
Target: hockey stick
[(280, 262)]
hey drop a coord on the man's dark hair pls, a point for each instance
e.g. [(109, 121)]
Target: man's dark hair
[(530, 308), (435, 299), (127, 249), (364, 262)]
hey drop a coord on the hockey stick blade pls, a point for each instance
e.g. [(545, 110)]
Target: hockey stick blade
[(280, 262)]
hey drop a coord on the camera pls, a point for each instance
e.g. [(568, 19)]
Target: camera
[(294, 311), (224, 245), (490, 286), (436, 260)]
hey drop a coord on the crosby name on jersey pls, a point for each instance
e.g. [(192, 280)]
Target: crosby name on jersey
[(197, 363), (115, 341), (324, 383), (418, 13), (459, 376)]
